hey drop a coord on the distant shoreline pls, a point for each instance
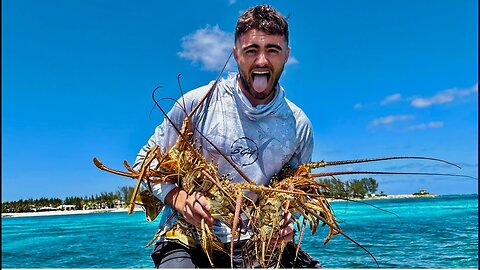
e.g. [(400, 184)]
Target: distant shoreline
[(66, 212), (401, 196), (113, 210)]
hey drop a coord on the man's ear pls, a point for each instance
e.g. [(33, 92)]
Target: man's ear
[(287, 54), (234, 50)]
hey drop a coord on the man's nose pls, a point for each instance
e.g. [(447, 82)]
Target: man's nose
[(262, 60)]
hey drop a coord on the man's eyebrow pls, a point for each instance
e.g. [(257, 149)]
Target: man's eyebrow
[(276, 46), (251, 46), (268, 46)]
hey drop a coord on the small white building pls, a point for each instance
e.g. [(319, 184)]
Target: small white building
[(67, 207)]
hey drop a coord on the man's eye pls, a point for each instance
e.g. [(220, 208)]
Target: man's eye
[(250, 52), (273, 51)]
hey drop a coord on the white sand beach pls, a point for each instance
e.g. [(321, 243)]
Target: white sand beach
[(400, 196), (66, 212)]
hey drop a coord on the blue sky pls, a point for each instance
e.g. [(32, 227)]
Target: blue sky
[(377, 78)]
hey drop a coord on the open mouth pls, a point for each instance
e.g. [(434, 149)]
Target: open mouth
[(261, 73), (260, 80)]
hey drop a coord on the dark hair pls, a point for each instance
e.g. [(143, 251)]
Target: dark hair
[(264, 18)]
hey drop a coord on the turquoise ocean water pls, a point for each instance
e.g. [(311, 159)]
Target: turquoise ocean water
[(439, 232)]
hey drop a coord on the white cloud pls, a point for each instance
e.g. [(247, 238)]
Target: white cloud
[(358, 106), (437, 124), (292, 61), (390, 99), (433, 124), (439, 98), (445, 96), (208, 46), (387, 120)]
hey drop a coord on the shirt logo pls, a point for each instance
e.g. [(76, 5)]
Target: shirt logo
[(244, 151)]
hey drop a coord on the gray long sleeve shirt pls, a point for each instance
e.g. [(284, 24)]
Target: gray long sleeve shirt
[(259, 140)]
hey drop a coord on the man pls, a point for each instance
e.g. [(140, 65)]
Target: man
[(248, 117)]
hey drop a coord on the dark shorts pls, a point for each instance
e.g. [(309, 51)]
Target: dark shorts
[(175, 255)]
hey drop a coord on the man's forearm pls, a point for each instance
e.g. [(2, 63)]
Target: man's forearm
[(177, 198)]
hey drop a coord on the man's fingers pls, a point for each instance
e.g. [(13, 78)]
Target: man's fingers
[(199, 198), (287, 232), (286, 219), (204, 210), (196, 208), (192, 216)]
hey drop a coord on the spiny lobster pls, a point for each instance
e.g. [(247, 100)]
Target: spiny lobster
[(291, 191)]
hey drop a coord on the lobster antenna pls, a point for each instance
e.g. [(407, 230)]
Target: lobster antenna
[(162, 99), (214, 85), (369, 204), (226, 158), (360, 246), (343, 162), (193, 111), (153, 106), (181, 92), (203, 136), (347, 199), (196, 107), (387, 173), (346, 236), (165, 114)]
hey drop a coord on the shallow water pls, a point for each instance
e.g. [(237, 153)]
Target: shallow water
[(437, 232)]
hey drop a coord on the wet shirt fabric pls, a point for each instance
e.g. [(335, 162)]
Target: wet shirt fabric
[(259, 140)]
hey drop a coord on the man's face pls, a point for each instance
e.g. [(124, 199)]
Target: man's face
[(260, 58)]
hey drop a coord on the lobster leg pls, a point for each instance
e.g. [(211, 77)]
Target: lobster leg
[(207, 239), (236, 218), (145, 167)]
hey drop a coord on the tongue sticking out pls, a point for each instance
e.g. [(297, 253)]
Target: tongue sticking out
[(260, 83)]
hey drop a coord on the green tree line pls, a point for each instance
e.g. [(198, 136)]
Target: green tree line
[(350, 189), (104, 200)]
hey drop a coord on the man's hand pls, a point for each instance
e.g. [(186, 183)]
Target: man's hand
[(197, 207), (287, 231), (193, 207)]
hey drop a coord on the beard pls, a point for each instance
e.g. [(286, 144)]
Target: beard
[(246, 81)]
